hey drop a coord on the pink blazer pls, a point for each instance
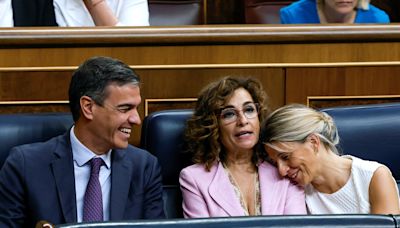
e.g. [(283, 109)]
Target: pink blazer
[(210, 194)]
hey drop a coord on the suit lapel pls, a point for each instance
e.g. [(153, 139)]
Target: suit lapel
[(63, 170), (221, 191), (268, 189), (120, 181), (21, 15)]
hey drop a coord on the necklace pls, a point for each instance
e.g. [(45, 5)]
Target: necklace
[(240, 195)]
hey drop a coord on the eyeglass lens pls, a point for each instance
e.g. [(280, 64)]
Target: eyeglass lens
[(249, 110)]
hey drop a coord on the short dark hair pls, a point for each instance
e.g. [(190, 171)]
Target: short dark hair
[(202, 136), (92, 78)]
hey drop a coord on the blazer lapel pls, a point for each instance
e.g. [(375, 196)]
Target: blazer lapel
[(268, 189), (63, 170), (120, 181), (221, 191)]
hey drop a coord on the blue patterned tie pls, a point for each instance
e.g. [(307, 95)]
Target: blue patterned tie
[(93, 201)]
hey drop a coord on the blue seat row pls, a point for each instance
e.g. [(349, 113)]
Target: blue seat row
[(369, 132), (302, 221)]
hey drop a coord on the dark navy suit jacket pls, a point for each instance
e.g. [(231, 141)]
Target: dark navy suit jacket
[(33, 13), (37, 183)]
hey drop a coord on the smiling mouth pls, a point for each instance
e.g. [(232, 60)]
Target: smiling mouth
[(293, 176), (125, 130)]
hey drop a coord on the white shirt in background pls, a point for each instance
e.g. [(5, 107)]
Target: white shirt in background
[(6, 14), (73, 13)]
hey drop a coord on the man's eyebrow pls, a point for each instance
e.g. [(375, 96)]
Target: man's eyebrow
[(126, 106)]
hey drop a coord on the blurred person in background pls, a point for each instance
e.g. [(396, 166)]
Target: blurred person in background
[(101, 12), (332, 11), (27, 13)]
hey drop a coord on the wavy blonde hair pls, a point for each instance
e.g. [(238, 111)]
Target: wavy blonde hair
[(295, 122)]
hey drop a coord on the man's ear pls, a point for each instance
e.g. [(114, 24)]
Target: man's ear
[(87, 104)]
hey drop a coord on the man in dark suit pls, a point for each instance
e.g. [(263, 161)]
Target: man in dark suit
[(50, 180), (33, 13)]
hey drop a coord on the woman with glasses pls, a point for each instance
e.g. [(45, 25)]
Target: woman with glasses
[(301, 143), (230, 176)]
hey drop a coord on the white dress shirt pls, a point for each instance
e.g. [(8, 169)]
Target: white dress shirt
[(75, 13), (6, 14), (82, 155)]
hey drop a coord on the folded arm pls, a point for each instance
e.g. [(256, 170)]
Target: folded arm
[(131, 13), (101, 12)]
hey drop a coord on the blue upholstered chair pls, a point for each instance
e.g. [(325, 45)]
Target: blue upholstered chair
[(370, 132), (397, 220), (18, 129), (310, 221), (162, 135)]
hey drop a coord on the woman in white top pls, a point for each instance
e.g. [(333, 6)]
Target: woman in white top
[(301, 142), (101, 12), (6, 13)]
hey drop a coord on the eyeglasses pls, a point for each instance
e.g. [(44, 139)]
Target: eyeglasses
[(230, 115)]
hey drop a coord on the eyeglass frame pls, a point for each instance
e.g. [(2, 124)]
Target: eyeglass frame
[(239, 111)]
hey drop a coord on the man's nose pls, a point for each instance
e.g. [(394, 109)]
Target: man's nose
[(134, 117)]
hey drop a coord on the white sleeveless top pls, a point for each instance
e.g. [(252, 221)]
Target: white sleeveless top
[(128, 12), (352, 198)]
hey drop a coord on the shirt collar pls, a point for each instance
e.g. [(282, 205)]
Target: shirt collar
[(82, 154)]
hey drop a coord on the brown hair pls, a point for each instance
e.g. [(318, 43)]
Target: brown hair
[(202, 134)]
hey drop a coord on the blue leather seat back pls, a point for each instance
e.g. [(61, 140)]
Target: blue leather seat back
[(349, 221), (370, 132), (18, 129), (162, 135), (397, 220)]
